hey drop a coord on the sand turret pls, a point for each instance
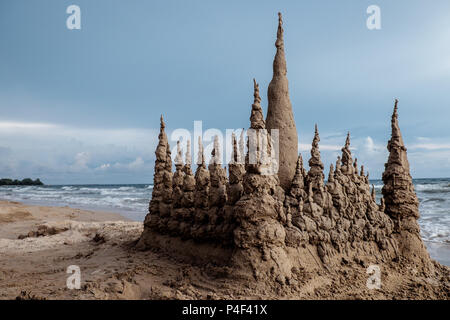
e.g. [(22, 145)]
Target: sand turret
[(400, 199), (187, 202), (241, 158), (256, 117), (236, 173), (280, 115), (255, 133), (398, 190), (152, 220), (297, 191), (331, 174), (347, 162), (315, 174)]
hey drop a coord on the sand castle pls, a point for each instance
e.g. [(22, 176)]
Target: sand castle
[(274, 227)]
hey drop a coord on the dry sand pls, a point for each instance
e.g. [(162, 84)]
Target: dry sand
[(102, 245)]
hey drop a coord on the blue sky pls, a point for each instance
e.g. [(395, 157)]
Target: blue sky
[(83, 106)]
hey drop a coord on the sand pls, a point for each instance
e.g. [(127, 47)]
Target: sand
[(102, 245)]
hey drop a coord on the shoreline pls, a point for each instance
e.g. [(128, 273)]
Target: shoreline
[(49, 204)]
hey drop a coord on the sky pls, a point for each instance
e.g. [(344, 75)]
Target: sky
[(83, 106)]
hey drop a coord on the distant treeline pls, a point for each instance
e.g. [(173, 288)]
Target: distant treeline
[(24, 182)]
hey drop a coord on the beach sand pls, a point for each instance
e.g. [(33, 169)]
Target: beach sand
[(101, 244)]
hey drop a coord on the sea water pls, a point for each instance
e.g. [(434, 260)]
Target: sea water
[(131, 201)]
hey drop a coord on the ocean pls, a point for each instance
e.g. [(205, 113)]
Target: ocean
[(131, 201)]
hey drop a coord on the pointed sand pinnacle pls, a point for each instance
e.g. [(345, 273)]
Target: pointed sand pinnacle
[(316, 139), (215, 153), (396, 135), (200, 155), (234, 149), (241, 147), (279, 43), (257, 118), (280, 115), (256, 91), (179, 156), (347, 140), (315, 163), (395, 113), (398, 189), (299, 168), (188, 153), (331, 174)]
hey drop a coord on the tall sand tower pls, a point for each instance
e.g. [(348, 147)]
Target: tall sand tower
[(279, 113)]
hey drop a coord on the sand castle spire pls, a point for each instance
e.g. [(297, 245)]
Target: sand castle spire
[(299, 171), (279, 64), (162, 142), (338, 164), (400, 200), (188, 160), (236, 172), (398, 190), (200, 154), (188, 153), (355, 166), (331, 174), (256, 117), (216, 157), (315, 173), (234, 149), (152, 220), (298, 183), (280, 115), (299, 167), (347, 162), (241, 147), (179, 157)]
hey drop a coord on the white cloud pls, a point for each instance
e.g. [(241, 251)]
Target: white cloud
[(136, 164), (81, 160), (370, 147), (64, 154), (431, 146), (104, 166), (11, 126)]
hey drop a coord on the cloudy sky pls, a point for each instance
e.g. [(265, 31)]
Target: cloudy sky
[(83, 106)]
